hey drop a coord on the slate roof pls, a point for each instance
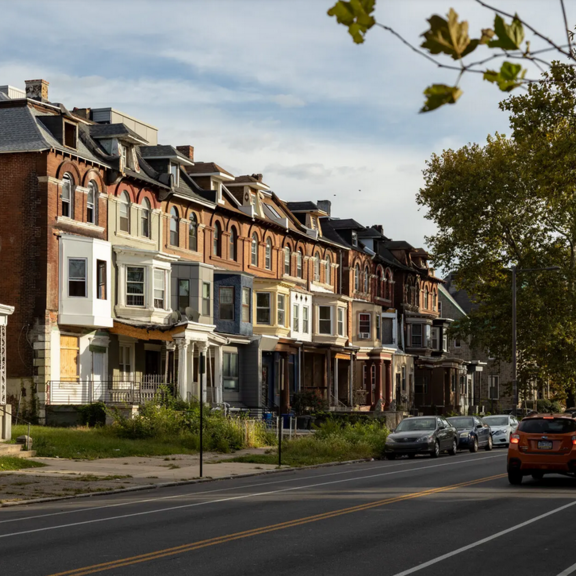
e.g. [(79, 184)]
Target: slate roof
[(206, 168), (331, 234), (162, 151), (399, 245), (345, 224), (302, 206), (20, 132), (369, 233), (113, 130)]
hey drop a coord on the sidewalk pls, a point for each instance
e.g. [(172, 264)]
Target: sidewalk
[(63, 477)]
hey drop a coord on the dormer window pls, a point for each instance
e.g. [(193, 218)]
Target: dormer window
[(124, 156), (70, 134), (175, 171), (354, 239)]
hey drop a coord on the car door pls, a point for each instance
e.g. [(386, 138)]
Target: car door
[(444, 434), (451, 433), (482, 432)]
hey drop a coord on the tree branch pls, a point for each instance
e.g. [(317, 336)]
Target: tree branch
[(566, 25)]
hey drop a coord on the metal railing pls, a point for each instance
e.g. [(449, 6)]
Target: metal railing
[(117, 391)]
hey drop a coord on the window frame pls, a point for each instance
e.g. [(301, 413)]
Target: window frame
[(124, 205), (180, 283), (246, 305), (357, 278), (227, 374), (145, 228), (287, 261), (341, 321), (67, 181), (159, 303), (217, 240), (229, 305), (101, 280), (206, 298), (268, 254), (367, 321), (366, 280), (174, 227), (317, 267), (232, 245), (77, 279), (281, 309), (134, 294), (295, 317), (299, 266), (92, 206), (328, 270), (324, 320), (193, 227), (267, 308), (413, 337), (254, 250), (305, 319)]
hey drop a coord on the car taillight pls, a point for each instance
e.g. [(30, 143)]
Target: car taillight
[(573, 440), (514, 438)]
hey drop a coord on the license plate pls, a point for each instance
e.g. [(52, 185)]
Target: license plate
[(544, 445)]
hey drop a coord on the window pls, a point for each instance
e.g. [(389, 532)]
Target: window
[(125, 362), (262, 308), (325, 320), (377, 326), (305, 320), (91, 202), (494, 387), (373, 376), (453, 383), (341, 331), (183, 295), (317, 267), (268, 260), (379, 283), (254, 250), (281, 310), (296, 318), (426, 298), (299, 264), (206, 298), (145, 219), (124, 156), (227, 303), (417, 335), (216, 237), (230, 371), (435, 338), (328, 270), (245, 304), (175, 171), (125, 212), (457, 343), (364, 325), (434, 300), (440, 307), (67, 196), (403, 378), (193, 233), (366, 280), (174, 226), (70, 134), (77, 277), (444, 342), (387, 331), (354, 239), (287, 261), (101, 280), (134, 286), (357, 278), (159, 288), (233, 242)]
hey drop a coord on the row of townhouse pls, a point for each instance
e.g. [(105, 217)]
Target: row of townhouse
[(127, 261)]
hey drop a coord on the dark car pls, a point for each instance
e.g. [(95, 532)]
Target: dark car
[(472, 433), (421, 435)]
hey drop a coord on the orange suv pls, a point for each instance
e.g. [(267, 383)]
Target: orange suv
[(542, 444)]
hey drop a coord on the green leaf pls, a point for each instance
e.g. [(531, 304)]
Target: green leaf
[(507, 77), (510, 36), (448, 36), (356, 15), (439, 94)]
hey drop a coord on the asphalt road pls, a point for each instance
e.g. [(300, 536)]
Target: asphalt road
[(456, 515)]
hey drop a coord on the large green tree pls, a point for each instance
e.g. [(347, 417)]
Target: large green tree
[(512, 202)]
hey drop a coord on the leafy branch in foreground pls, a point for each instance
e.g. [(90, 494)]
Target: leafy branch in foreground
[(449, 37)]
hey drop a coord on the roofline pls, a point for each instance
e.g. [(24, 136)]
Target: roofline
[(201, 174), (203, 202), (126, 115), (183, 160)]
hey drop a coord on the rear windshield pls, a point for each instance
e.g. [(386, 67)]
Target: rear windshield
[(411, 424), (543, 426), (461, 422), (496, 420)]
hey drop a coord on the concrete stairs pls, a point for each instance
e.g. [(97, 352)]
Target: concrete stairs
[(15, 450)]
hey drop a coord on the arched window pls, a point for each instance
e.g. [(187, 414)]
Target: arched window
[(217, 240), (299, 264), (125, 212), (357, 278), (426, 300), (193, 232), (316, 267), (328, 270), (67, 196), (174, 226), (380, 284), (366, 280), (268, 260), (434, 300), (92, 203), (145, 218), (254, 250), (287, 267), (233, 241)]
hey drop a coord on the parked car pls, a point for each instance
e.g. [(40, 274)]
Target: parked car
[(543, 444), (421, 435), (501, 426), (472, 433)]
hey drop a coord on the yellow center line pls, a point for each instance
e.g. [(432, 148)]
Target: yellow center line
[(190, 547)]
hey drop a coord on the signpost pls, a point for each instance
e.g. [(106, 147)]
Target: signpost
[(201, 370)]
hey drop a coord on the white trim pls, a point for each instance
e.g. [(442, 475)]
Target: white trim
[(78, 224)]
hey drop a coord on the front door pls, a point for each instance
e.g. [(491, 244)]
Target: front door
[(98, 375), (68, 391)]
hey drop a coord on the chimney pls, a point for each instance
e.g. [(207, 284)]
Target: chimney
[(37, 90), (257, 177), (85, 113), (325, 206), (379, 227), (188, 151)]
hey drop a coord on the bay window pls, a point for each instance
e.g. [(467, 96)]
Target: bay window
[(281, 310), (134, 286), (77, 277), (325, 320), (263, 308), (226, 303), (159, 288), (364, 325)]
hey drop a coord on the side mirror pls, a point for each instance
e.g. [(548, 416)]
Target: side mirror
[(479, 426)]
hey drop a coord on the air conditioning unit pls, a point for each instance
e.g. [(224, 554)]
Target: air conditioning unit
[(364, 335)]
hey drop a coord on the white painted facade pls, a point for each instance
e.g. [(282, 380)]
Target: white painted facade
[(300, 316)]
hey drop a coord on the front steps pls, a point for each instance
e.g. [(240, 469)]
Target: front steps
[(15, 450)]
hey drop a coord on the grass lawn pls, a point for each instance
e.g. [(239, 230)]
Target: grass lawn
[(13, 463), (93, 443)]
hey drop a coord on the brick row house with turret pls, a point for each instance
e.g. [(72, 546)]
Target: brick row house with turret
[(127, 260)]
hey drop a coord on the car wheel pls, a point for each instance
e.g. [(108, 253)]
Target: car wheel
[(515, 477), (390, 456), (474, 447), (436, 452), (454, 448), (411, 456), (489, 446), (538, 475)]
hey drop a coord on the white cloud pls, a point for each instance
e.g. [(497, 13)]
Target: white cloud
[(288, 101)]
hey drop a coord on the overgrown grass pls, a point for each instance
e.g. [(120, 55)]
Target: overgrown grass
[(13, 463)]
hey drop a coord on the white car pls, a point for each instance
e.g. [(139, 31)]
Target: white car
[(501, 427)]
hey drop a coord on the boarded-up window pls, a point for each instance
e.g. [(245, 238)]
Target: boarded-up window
[(69, 358), (387, 331)]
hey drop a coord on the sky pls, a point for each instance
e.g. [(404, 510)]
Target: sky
[(271, 86)]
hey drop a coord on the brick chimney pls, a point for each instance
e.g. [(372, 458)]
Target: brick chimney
[(379, 227), (37, 90), (325, 206), (188, 151), (257, 177)]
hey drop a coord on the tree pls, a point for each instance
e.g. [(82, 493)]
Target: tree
[(449, 37), (513, 202)]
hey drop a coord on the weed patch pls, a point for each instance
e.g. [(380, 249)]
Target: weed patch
[(13, 463)]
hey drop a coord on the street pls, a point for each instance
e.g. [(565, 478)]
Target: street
[(420, 516)]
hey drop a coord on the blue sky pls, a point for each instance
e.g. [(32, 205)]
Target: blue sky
[(269, 86)]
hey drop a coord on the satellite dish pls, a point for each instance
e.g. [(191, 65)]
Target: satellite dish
[(174, 316), (192, 314)]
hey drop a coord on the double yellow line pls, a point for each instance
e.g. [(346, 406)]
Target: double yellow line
[(263, 530)]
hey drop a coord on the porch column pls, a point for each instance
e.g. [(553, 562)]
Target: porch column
[(190, 391), (203, 349), (378, 389), (218, 360), (328, 365), (182, 368), (388, 384), (284, 384), (336, 381), (351, 381)]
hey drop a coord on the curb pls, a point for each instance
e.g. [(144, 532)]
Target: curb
[(179, 483)]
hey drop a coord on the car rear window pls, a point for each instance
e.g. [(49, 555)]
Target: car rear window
[(461, 422), (547, 426)]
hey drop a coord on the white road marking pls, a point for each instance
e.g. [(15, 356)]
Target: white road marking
[(488, 539), (143, 501), (568, 570), (241, 497)]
